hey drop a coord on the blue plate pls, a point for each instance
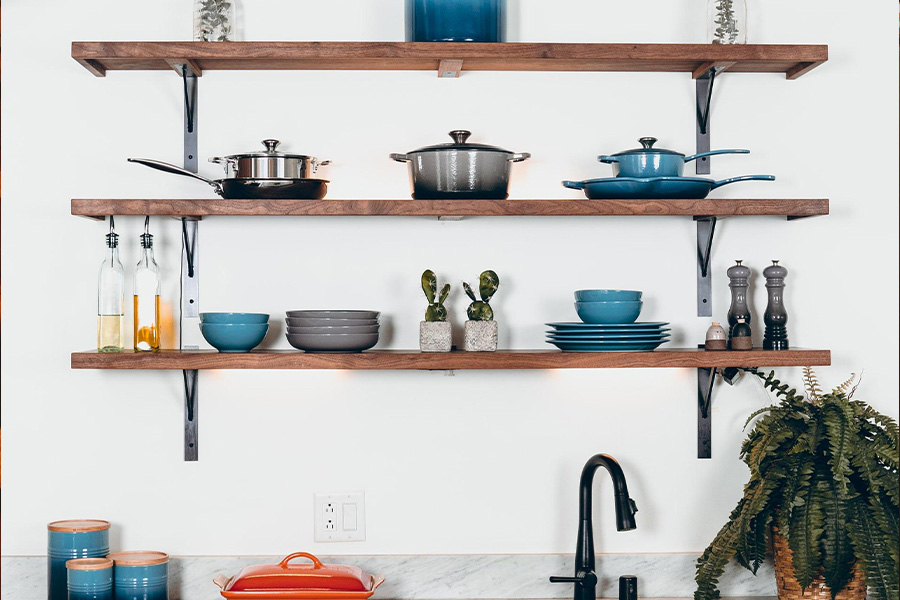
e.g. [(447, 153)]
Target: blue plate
[(618, 327), (650, 188), (594, 347), (608, 334), (596, 338)]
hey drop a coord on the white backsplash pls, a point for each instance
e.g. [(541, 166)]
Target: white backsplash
[(435, 577)]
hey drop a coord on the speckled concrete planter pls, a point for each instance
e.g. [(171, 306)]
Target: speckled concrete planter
[(481, 336), (434, 336)]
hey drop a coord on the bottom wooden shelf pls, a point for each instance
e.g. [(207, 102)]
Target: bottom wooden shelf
[(398, 360)]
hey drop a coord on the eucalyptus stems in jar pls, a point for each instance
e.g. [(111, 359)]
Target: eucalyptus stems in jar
[(214, 20), (727, 21)]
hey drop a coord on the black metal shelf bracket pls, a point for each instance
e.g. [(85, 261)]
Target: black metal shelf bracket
[(190, 271), (704, 102), (706, 379), (706, 229)]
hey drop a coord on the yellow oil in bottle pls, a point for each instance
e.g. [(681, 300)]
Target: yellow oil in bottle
[(110, 333), (146, 325)]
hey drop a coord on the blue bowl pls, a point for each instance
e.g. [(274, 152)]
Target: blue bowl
[(606, 295), (233, 318), (240, 337), (608, 313)]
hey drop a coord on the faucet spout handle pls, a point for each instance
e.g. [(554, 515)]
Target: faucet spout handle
[(582, 578)]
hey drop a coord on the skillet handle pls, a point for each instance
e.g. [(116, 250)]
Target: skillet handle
[(575, 185), (520, 157), (401, 157), (222, 581), (720, 183), (378, 580), (607, 159), (317, 564), (168, 168), (714, 152)]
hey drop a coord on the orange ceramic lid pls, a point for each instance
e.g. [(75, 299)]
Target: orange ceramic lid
[(78, 525), (313, 576), (139, 558), (89, 564)]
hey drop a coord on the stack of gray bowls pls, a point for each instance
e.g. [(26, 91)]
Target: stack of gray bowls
[(332, 330)]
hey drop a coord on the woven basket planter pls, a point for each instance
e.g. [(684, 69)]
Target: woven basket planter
[(789, 588)]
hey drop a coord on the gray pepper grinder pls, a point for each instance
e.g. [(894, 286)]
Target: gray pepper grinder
[(740, 281), (776, 337)]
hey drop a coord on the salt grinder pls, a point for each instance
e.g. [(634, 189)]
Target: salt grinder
[(776, 337), (740, 281)]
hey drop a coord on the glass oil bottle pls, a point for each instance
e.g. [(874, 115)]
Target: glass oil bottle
[(111, 297), (146, 296)]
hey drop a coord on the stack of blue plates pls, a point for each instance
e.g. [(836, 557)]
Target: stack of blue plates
[(588, 337)]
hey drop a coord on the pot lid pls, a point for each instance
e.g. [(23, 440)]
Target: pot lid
[(78, 525), (647, 148), (138, 558), (285, 577), (459, 137), (270, 152), (89, 564)]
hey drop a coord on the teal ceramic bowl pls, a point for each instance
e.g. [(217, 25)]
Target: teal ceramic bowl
[(609, 312), (233, 318), (241, 337), (607, 295)]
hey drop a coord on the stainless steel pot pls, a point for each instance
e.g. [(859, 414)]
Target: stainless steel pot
[(270, 164), (460, 170)]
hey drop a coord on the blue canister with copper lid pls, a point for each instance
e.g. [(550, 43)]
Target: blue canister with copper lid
[(67, 540), (455, 20), (90, 578), (141, 575)]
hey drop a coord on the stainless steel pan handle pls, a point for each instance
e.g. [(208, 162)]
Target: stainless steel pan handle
[(520, 156), (168, 168), (400, 157)]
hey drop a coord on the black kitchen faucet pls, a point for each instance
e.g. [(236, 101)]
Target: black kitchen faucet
[(585, 578)]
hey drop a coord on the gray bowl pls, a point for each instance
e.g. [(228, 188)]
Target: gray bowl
[(335, 342), (361, 329), (320, 322), (335, 314)]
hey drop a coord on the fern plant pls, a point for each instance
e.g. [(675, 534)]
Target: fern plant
[(823, 470)]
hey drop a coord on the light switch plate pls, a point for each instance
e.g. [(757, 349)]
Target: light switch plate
[(340, 517)]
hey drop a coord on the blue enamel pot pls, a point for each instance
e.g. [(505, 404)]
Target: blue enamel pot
[(648, 161), (90, 579), (142, 575), (67, 540), (455, 20)]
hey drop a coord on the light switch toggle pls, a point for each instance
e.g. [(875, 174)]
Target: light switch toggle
[(350, 511)]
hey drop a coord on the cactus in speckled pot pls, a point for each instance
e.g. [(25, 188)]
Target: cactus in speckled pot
[(436, 311), (480, 310)]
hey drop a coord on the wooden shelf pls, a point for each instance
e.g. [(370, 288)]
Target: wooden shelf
[(398, 360), (792, 60), (790, 208)]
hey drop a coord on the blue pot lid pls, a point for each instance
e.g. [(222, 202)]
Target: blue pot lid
[(647, 148), (459, 143)]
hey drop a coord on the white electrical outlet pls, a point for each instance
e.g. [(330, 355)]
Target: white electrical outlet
[(340, 517)]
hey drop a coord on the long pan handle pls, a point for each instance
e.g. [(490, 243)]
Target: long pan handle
[(169, 168), (718, 184)]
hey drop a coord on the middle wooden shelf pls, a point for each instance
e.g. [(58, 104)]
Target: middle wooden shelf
[(720, 207)]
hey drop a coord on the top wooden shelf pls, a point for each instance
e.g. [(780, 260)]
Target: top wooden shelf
[(791, 59)]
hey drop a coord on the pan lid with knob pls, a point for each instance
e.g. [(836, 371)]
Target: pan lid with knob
[(271, 151), (460, 137)]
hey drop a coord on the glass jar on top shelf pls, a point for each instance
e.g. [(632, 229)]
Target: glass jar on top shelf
[(727, 21), (214, 21)]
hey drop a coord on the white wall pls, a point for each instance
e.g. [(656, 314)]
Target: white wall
[(482, 462)]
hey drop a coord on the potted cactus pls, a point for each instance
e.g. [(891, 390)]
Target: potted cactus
[(481, 329), (434, 331)]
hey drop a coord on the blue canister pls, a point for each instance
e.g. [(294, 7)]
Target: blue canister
[(142, 575), (90, 578), (455, 20), (83, 538)]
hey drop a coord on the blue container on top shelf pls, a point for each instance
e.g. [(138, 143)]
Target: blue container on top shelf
[(142, 575), (90, 578), (66, 540), (455, 20)]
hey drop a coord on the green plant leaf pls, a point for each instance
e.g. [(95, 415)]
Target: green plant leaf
[(469, 291), (871, 551), (487, 285), (429, 285), (445, 291), (837, 551), (807, 527)]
